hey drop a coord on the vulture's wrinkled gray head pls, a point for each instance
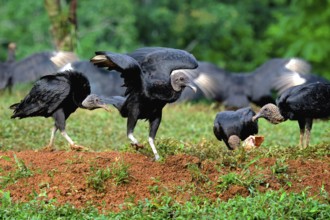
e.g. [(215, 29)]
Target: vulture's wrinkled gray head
[(180, 80), (93, 101), (271, 113)]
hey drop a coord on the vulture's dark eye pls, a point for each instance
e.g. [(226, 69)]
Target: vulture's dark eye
[(181, 78)]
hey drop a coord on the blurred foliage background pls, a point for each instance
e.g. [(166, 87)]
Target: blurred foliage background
[(236, 35)]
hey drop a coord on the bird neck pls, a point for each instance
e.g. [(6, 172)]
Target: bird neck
[(11, 55)]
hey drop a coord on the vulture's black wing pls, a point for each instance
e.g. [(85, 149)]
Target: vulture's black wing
[(294, 78), (39, 64), (128, 67), (158, 65), (263, 83), (146, 69), (44, 98), (211, 82), (308, 100)]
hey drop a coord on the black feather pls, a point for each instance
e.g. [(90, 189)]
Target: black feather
[(261, 86), (147, 74), (239, 123)]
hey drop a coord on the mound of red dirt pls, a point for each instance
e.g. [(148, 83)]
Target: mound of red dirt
[(63, 176)]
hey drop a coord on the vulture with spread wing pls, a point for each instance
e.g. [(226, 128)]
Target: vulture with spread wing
[(32, 67), (261, 86), (153, 77)]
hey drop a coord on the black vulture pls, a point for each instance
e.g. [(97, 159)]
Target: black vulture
[(5, 79), (234, 126), (302, 103), (261, 86), (32, 67), (153, 78), (103, 82), (58, 96)]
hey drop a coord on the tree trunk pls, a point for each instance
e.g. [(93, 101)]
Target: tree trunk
[(63, 23)]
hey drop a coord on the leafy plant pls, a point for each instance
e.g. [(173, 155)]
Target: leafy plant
[(21, 171), (118, 171), (197, 174), (280, 166), (97, 178), (244, 179)]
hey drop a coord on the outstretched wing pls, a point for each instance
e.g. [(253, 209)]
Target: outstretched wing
[(45, 97), (294, 78), (40, 64), (160, 61), (264, 82), (159, 66), (130, 69), (211, 82)]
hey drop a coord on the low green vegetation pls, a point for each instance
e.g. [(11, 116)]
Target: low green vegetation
[(21, 171), (270, 205), (118, 171)]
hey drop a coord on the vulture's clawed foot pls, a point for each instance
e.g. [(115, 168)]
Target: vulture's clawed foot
[(48, 148), (75, 147), (137, 146)]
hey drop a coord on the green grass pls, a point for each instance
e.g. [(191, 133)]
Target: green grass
[(185, 128), (270, 205)]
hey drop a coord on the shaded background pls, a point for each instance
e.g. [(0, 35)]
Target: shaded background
[(236, 35)]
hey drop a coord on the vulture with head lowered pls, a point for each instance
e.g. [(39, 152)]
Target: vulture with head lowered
[(234, 126), (58, 96), (302, 103), (261, 86), (153, 77), (31, 68)]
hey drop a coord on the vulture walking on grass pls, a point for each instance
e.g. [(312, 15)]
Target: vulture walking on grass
[(261, 86), (234, 126), (302, 103), (58, 96), (32, 67), (153, 77)]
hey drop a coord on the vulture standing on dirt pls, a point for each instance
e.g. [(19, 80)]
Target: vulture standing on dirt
[(153, 78), (32, 67), (261, 86), (102, 81), (302, 103), (57, 96), (234, 126)]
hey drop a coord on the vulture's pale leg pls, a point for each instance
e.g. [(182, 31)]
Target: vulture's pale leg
[(52, 137), (131, 123), (154, 125), (66, 136), (50, 146), (59, 118), (132, 138), (302, 124), (309, 125)]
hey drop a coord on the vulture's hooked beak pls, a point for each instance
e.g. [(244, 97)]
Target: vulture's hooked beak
[(254, 118), (93, 102), (104, 106), (193, 87)]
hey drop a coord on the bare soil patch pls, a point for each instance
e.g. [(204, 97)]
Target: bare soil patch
[(62, 175)]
